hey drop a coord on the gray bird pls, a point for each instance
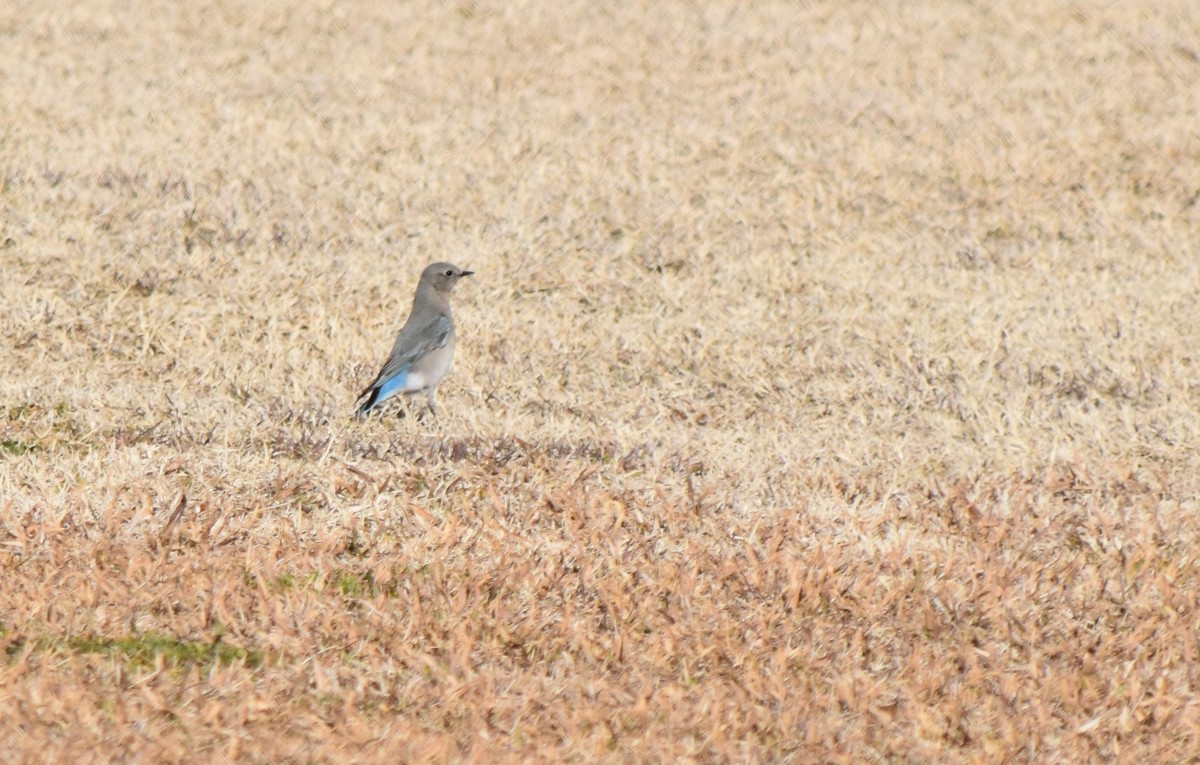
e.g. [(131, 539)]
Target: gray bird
[(423, 349)]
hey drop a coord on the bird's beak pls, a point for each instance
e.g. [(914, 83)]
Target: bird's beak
[(466, 273)]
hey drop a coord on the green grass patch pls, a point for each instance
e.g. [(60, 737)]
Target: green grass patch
[(354, 585), (13, 446), (144, 650), (350, 584)]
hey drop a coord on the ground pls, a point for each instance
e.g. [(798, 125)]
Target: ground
[(828, 389)]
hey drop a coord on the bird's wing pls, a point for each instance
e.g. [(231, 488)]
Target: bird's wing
[(413, 342)]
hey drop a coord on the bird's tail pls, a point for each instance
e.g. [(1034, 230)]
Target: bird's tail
[(369, 398)]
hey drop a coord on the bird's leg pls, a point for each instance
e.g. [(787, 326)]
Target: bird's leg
[(432, 403)]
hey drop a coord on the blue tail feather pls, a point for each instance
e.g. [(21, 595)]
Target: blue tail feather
[(377, 394)]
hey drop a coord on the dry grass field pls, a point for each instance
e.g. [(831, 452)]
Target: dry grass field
[(828, 389)]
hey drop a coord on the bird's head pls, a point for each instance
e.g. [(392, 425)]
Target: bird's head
[(443, 276)]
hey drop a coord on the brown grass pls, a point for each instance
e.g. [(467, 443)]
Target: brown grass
[(828, 392)]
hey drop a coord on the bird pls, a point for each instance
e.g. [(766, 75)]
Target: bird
[(424, 346)]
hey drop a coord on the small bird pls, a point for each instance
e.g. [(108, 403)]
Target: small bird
[(423, 349)]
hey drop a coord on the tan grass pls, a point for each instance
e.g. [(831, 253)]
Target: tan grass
[(828, 390)]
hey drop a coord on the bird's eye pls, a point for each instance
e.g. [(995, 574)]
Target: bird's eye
[(449, 272)]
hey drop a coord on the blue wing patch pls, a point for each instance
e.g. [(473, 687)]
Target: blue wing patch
[(392, 385)]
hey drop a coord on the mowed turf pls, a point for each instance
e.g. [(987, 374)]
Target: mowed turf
[(828, 389)]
